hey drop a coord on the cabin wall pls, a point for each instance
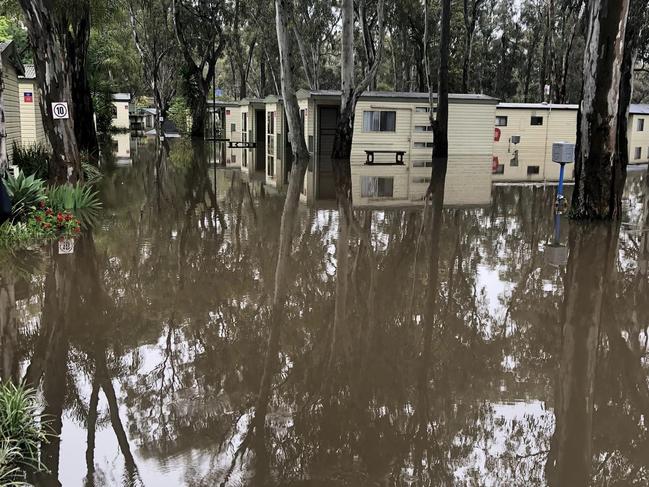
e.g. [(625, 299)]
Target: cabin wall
[(274, 144), (31, 120), (121, 116), (310, 135), (470, 144), (244, 137), (233, 132), (11, 108), (531, 159), (638, 139)]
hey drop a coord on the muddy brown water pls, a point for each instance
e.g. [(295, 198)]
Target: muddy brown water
[(473, 345)]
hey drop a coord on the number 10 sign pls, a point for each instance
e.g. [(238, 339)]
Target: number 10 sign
[(60, 110)]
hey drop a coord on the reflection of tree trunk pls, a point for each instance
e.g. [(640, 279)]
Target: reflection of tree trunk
[(591, 262), (8, 331), (91, 426)]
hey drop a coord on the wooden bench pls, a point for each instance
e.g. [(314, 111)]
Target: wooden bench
[(398, 157)]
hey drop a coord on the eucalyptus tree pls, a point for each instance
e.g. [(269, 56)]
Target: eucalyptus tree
[(472, 10), (199, 30), (599, 172), (56, 30), (151, 24)]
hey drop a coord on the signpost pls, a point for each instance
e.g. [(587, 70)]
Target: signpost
[(66, 246), (60, 110), (233, 144)]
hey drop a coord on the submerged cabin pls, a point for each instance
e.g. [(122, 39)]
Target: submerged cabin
[(12, 67), (392, 144), (32, 131), (253, 135), (523, 137), (223, 119), (638, 134), (121, 110)]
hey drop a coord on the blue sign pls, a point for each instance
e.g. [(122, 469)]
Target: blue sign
[(218, 92)]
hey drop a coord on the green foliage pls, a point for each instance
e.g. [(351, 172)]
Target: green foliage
[(18, 235), (91, 173), (81, 200), (179, 114), (32, 159), (103, 110), (51, 224), (12, 30), (21, 433), (26, 193)]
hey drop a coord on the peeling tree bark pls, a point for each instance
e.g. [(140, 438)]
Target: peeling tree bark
[(597, 193), (46, 31)]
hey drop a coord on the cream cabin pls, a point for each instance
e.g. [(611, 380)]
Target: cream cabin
[(253, 133), (227, 117), (11, 69), (31, 119), (121, 110), (523, 137), (392, 144), (638, 134)]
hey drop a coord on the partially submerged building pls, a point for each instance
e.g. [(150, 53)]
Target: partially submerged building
[(31, 119), (12, 67), (638, 134), (121, 110)]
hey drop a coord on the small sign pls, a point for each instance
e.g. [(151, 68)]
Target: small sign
[(218, 92), (66, 246), (241, 145), (28, 97), (60, 110)]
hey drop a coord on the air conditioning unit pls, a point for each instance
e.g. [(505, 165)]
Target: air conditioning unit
[(563, 152)]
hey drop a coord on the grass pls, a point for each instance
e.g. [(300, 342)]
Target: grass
[(21, 433)]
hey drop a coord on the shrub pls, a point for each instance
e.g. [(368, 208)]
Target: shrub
[(103, 106), (32, 159), (26, 193), (91, 174), (49, 223), (79, 199), (21, 432)]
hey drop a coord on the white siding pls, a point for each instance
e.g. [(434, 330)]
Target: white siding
[(11, 108), (638, 139), (31, 119), (233, 120), (121, 120)]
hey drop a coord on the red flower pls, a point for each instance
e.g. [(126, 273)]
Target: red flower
[(38, 218), (49, 211), (77, 230), (59, 218), (41, 204)]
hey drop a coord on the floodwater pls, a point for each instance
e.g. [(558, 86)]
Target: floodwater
[(466, 345)]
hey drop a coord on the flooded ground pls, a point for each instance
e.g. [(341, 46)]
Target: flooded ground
[(469, 345)]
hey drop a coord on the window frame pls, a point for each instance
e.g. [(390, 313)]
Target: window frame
[(382, 121), (534, 118), (637, 153), (499, 118), (640, 125)]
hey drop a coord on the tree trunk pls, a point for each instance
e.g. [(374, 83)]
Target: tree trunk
[(78, 40), (597, 193), (54, 85), (440, 125)]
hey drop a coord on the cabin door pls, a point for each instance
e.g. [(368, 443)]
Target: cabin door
[(288, 154), (260, 140), (326, 189)]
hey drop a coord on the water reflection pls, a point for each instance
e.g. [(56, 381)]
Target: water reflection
[(420, 346)]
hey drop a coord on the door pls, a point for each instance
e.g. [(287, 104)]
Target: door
[(260, 140), (326, 188), (288, 154)]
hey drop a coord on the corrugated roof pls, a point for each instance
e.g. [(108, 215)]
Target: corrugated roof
[(408, 95), (539, 106), (121, 96), (639, 109), (30, 72)]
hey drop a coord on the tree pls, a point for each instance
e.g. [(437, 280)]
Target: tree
[(48, 24), (471, 12), (198, 28), (154, 39), (598, 167), (350, 93)]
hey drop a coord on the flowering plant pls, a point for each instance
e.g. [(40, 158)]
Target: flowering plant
[(54, 223)]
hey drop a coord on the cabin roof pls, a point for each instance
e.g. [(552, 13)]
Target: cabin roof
[(10, 54), (399, 96), (538, 106), (121, 97), (30, 72), (221, 103), (639, 109)]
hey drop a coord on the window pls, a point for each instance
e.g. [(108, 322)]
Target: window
[(422, 145), (244, 122), (244, 138), (641, 125), (270, 122), (234, 158), (498, 169), (113, 111), (233, 127), (376, 187), (423, 128), (532, 170), (303, 120), (536, 120), (421, 180), (638, 153), (379, 121), (424, 110), (502, 121), (422, 163)]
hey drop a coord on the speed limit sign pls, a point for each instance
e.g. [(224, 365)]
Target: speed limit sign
[(60, 110)]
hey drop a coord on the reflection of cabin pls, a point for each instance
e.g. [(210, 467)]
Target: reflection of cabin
[(121, 145), (392, 145), (121, 104), (31, 119), (11, 69), (523, 139), (223, 126), (638, 133)]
